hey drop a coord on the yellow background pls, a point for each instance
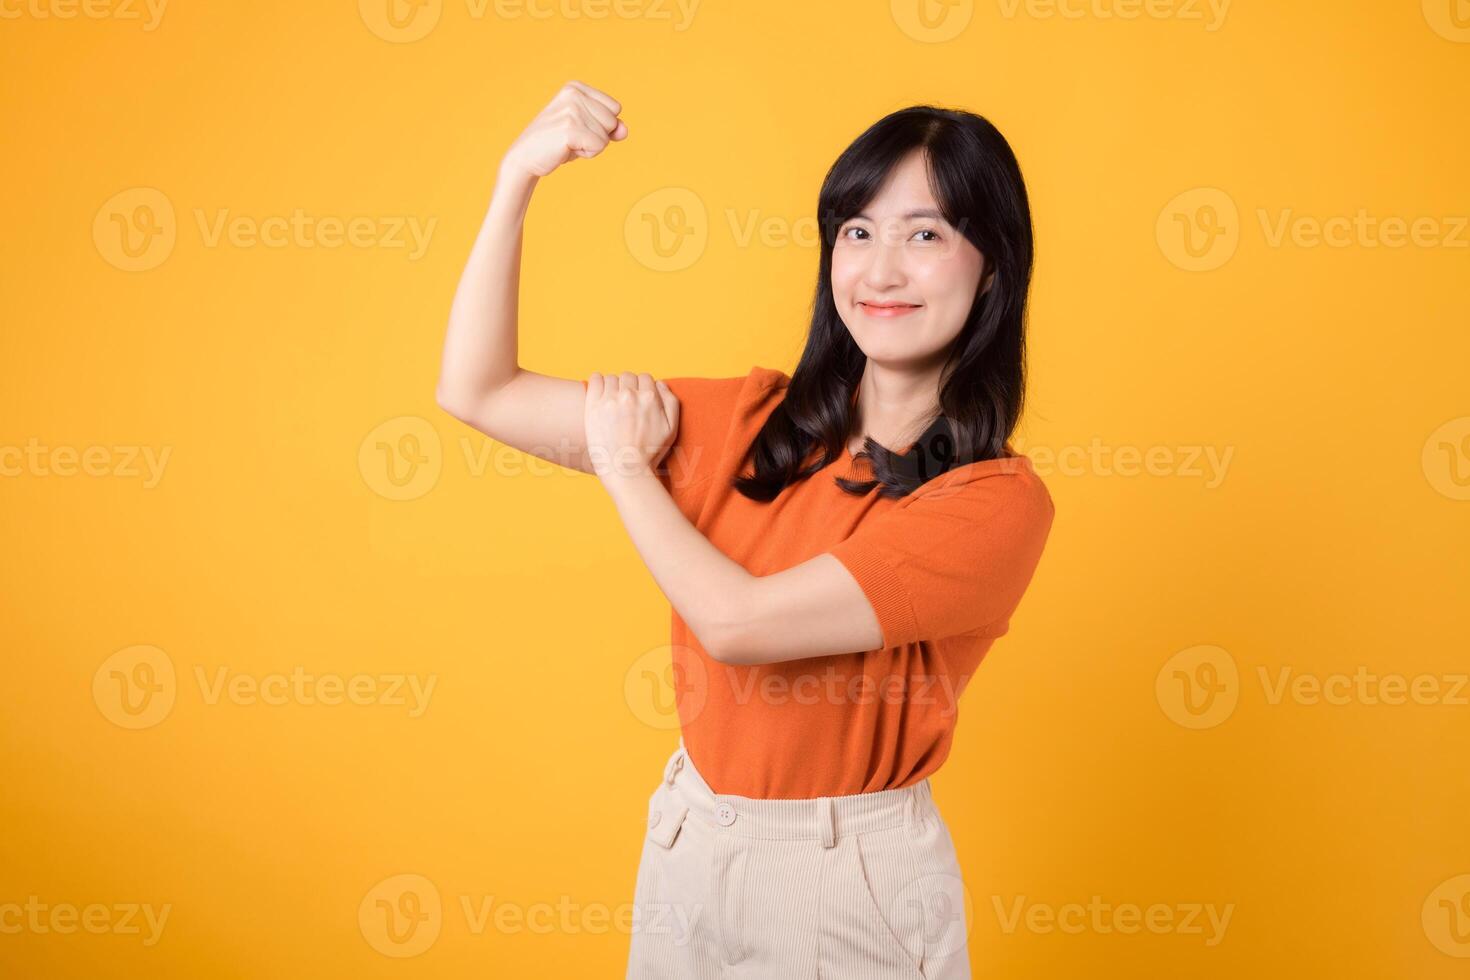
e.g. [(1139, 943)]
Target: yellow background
[(1336, 540)]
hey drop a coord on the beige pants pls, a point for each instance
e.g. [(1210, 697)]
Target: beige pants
[(861, 887)]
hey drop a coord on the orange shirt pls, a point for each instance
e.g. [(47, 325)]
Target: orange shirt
[(944, 569)]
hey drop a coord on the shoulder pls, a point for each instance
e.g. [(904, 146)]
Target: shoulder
[(1007, 484), (729, 395)]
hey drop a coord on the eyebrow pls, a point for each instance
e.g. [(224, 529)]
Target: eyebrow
[(920, 213)]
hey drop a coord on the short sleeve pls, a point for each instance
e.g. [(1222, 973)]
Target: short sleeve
[(707, 408), (955, 557)]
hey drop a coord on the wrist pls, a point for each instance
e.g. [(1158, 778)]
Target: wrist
[(627, 476)]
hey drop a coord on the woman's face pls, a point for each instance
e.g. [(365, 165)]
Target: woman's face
[(903, 278)]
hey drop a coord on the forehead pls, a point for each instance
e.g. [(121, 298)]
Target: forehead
[(905, 193)]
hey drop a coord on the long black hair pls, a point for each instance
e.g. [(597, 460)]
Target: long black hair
[(976, 181)]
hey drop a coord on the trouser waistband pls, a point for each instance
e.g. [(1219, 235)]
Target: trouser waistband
[(824, 818)]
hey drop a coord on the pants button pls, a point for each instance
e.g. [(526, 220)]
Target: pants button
[(725, 814)]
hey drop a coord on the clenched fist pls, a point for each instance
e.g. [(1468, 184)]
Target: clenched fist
[(630, 423), (577, 122)]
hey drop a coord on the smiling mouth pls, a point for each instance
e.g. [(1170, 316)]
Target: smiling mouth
[(888, 309)]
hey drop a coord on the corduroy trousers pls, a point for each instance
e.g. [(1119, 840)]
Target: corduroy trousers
[(860, 887)]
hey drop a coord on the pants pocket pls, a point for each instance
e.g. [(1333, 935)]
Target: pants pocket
[(667, 896), (869, 918), (943, 900), (666, 815)]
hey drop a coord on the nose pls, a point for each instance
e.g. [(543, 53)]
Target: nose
[(885, 266)]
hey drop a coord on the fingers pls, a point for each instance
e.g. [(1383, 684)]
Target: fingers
[(671, 405), (597, 116), (596, 95), (641, 383)]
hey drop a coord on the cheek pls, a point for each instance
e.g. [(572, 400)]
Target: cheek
[(949, 286), (844, 274)]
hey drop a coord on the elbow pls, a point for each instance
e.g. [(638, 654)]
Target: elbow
[(729, 637), (727, 653), (453, 403)]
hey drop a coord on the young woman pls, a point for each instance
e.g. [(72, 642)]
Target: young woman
[(841, 546)]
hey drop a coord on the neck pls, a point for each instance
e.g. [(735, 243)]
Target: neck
[(894, 407)]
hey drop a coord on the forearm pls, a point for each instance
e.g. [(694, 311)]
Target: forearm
[(712, 593), (480, 350)]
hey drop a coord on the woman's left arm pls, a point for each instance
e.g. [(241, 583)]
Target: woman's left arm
[(815, 609), (954, 557)]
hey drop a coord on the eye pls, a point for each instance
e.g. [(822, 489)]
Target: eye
[(853, 228), (928, 231)]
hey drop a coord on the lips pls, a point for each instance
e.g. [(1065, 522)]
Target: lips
[(888, 309)]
